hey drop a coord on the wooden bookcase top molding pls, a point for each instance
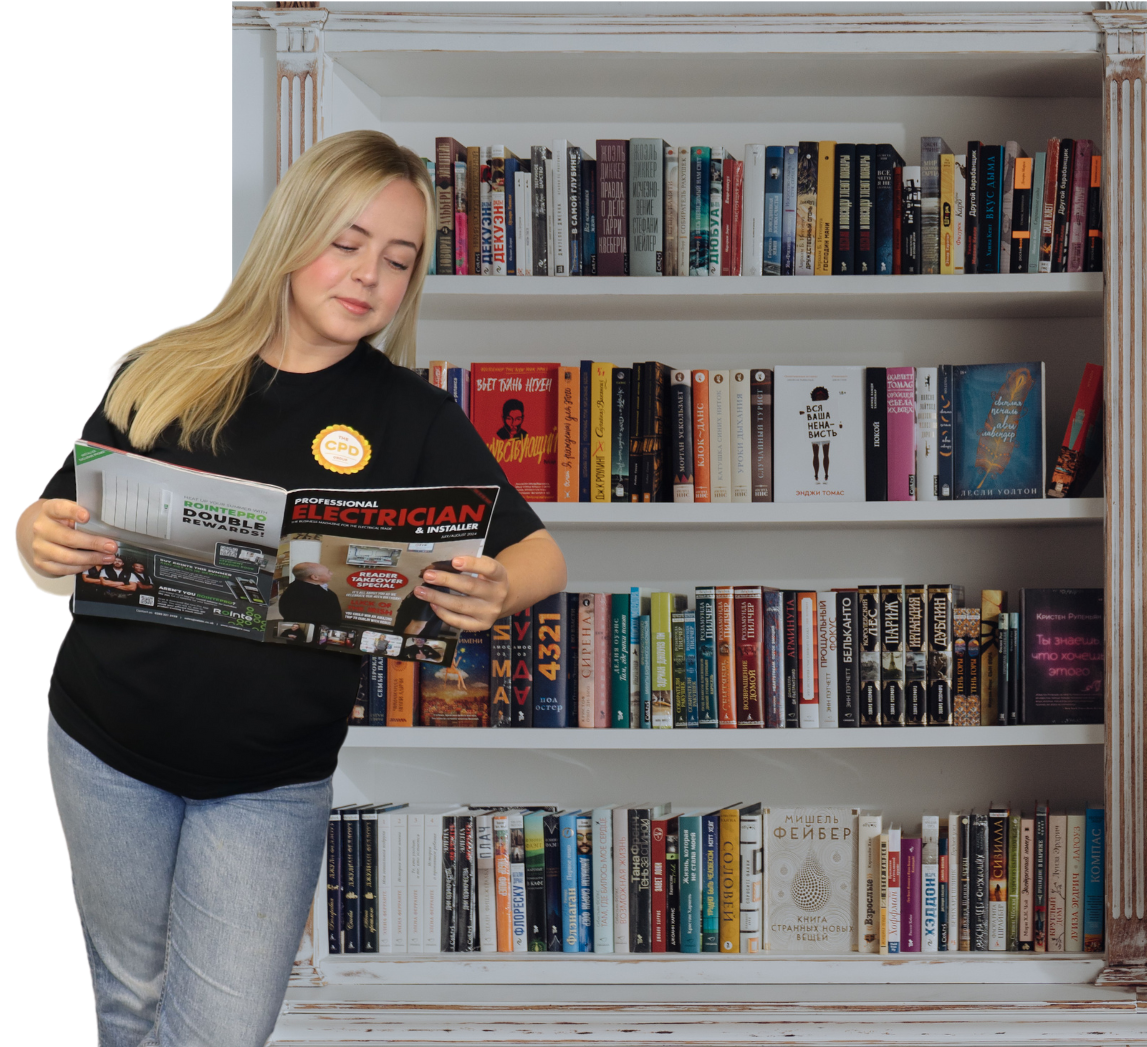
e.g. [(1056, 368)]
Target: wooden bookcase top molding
[(435, 55)]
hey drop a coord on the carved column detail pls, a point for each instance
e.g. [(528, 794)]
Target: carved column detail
[(299, 80), (1125, 358)]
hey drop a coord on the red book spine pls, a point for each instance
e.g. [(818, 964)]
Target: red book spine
[(658, 894), (1046, 231), (738, 212), (727, 216), (701, 489), (601, 650), (1084, 412), (726, 669), (897, 214), (1080, 183), (901, 432), (612, 207), (749, 621)]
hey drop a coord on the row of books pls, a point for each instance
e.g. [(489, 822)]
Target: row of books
[(750, 656), (647, 208), (799, 434), (744, 878)]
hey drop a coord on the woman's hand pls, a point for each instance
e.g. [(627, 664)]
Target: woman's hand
[(49, 542), (477, 602)]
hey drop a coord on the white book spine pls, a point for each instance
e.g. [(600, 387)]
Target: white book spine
[(809, 699), (868, 883), (753, 212), (720, 443), (716, 183), (927, 434), (399, 892), (741, 478), (894, 891), (498, 216), (527, 224), (1056, 882), (1073, 884), (518, 883), (485, 198), (432, 931), (385, 884), (826, 659), (549, 216), (416, 851), (752, 881), (683, 211), (953, 882), (521, 224), (929, 883), (621, 878), (671, 210), (561, 208), (487, 891), (961, 186), (602, 870)]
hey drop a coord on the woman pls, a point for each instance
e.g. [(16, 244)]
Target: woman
[(192, 771)]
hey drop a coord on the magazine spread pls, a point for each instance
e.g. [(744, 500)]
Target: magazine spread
[(330, 569)]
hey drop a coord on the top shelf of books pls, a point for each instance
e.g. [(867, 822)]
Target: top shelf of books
[(980, 296)]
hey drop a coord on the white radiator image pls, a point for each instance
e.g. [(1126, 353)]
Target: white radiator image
[(131, 505)]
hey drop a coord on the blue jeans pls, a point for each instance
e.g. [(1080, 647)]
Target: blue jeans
[(192, 910)]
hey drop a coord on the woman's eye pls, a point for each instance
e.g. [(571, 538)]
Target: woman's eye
[(344, 247), (399, 266)]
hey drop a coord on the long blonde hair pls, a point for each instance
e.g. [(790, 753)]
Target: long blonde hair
[(197, 375)]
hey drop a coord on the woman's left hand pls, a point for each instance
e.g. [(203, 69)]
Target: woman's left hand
[(476, 602)]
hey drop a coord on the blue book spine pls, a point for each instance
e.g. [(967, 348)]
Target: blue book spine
[(699, 190), (689, 870), (512, 166), (571, 652), (710, 913), (774, 654), (1093, 882), (789, 211), (774, 206), (646, 664), (691, 704), (634, 657), (589, 217), (567, 855), (551, 649), (944, 432), (584, 882), (376, 701), (886, 159), (584, 446), (455, 384), (433, 267), (334, 884), (706, 623)]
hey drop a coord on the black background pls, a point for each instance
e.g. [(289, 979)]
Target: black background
[(121, 197)]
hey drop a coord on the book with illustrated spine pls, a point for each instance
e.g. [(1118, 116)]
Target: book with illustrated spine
[(993, 705), (533, 833), (619, 436), (702, 490), (1073, 878), (808, 163), (915, 656), (716, 206), (892, 655), (941, 649), (997, 879), (706, 626), (927, 431), (1056, 881), (868, 602), (929, 883), (1093, 881), (761, 434), (847, 657), (699, 200), (774, 206)]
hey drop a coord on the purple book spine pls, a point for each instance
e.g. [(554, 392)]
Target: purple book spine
[(1080, 181), (901, 406), (910, 927)]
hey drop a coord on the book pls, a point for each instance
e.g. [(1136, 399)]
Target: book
[(585, 881), (915, 655), (1075, 851), (740, 435), (1011, 154), (684, 209), (447, 153), (1056, 881), (501, 672), (702, 490), (929, 883), (901, 433), (723, 608), (866, 211), (720, 439), (551, 652), (658, 890), (815, 411), (600, 436), (662, 606), (487, 889), (789, 210), (706, 635), (761, 434), (1020, 252), (944, 892), (910, 221), (892, 655), (533, 835), (927, 483), (808, 163), (886, 163), (991, 605), (458, 694), (826, 653), (959, 216), (619, 435), (751, 878), (1061, 656), (551, 828), (945, 433), (876, 434), (522, 667), (620, 827), (541, 158), (895, 898), (1080, 183), (748, 617), (672, 163), (868, 602), (1093, 872), (808, 659), (760, 226), (728, 880), (973, 191), (997, 888), (568, 853), (1093, 250), (567, 480), (612, 207), (646, 206), (991, 207), (1039, 879), (677, 674), (847, 659), (868, 883), (681, 435), (979, 884), (844, 211), (941, 650), (1015, 834), (619, 657), (949, 222), (1035, 218), (910, 928), (587, 656), (689, 880), (998, 430), (716, 201), (1077, 456), (700, 179), (823, 221)]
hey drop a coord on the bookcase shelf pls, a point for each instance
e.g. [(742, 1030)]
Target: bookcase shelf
[(760, 298), (540, 738), (1067, 512)]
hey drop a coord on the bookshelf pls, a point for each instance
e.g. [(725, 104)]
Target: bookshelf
[(524, 73)]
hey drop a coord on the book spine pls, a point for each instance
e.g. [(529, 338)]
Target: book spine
[(646, 648), (808, 657), (501, 673), (807, 169), (728, 191), (498, 211), (716, 200), (635, 658), (885, 165), (739, 435), (376, 707), (432, 874), (876, 435), (701, 437), (964, 863), (511, 209), (940, 655), (487, 888), (998, 880), (568, 849), (979, 926), (723, 606), (930, 149), (1007, 203), (892, 655), (467, 928), (677, 642), (1003, 642), (699, 190), (646, 206), (462, 205), (661, 675), (600, 436), (1039, 881), (929, 883), (944, 894), (728, 884), (901, 408), (1093, 252), (868, 600), (1076, 848), (584, 828), (1046, 230), (1015, 827), (773, 211), (446, 153), (620, 820), (586, 658), (1021, 215), (1061, 231), (539, 214), (401, 693), (551, 651), (791, 648), (569, 434), (991, 707), (748, 618), (640, 885), (602, 700), (672, 886), (910, 221), (658, 923), (847, 657), (973, 195), (560, 218), (927, 422), (334, 861), (574, 200), (823, 222), (619, 660), (684, 209), (868, 883), (895, 891), (761, 434), (689, 880), (522, 644), (551, 831), (1035, 214), (416, 882), (1080, 183), (882, 871), (692, 707), (620, 392), (844, 242), (829, 713), (681, 435), (774, 658), (948, 220), (864, 262), (910, 928), (672, 208), (368, 823), (945, 435), (710, 880), (755, 212), (585, 432), (1056, 869), (789, 211), (485, 205), (1093, 882), (720, 443), (915, 656), (959, 216), (706, 625)]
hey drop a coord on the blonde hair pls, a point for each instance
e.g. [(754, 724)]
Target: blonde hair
[(197, 375)]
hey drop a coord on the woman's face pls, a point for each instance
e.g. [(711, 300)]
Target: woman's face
[(354, 288)]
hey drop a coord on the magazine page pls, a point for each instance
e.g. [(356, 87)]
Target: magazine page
[(195, 549), (349, 562)]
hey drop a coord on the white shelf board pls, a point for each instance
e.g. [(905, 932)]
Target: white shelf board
[(549, 738), (673, 516), (760, 298)]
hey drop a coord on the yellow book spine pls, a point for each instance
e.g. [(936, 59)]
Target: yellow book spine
[(825, 202), (729, 895), (600, 423), (948, 215), (884, 892)]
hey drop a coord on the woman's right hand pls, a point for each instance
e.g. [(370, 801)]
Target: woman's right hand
[(49, 542)]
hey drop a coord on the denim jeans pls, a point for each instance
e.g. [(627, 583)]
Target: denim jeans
[(192, 910)]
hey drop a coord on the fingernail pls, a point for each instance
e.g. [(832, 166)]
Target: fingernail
[(458, 561), (431, 576), (420, 592), (108, 559), (110, 547)]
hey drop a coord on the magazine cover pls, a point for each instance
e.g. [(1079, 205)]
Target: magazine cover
[(330, 569)]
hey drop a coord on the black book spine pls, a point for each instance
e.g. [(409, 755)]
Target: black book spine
[(540, 217), (791, 649), (449, 883), (868, 600), (368, 819), (892, 655), (636, 398), (848, 657), (1093, 252), (620, 433), (972, 200), (536, 901), (573, 603), (978, 925), (501, 672), (463, 850), (1039, 881), (584, 426), (887, 160), (672, 887), (681, 436), (844, 211), (876, 442), (864, 257), (761, 433), (640, 884), (940, 655), (523, 660), (334, 884), (1015, 668), (910, 228), (915, 657), (650, 449), (1003, 669), (965, 910), (662, 488), (553, 884), (352, 898), (1062, 226), (573, 197)]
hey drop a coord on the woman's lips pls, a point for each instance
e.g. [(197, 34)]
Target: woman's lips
[(353, 305)]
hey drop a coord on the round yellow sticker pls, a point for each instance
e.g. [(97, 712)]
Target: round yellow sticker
[(341, 449)]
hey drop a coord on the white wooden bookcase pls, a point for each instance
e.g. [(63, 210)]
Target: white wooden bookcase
[(525, 73)]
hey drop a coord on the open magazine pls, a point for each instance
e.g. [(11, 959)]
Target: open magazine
[(333, 570)]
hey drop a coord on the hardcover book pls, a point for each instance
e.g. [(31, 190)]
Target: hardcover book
[(458, 695), (646, 206), (901, 433), (612, 207), (761, 433), (1062, 643), (892, 655), (807, 171)]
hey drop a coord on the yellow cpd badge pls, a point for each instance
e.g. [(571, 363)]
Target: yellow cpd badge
[(341, 449)]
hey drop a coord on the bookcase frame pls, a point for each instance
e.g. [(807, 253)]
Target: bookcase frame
[(958, 998)]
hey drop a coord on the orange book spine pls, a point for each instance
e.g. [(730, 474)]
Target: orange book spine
[(569, 433), (726, 681), (502, 915), (438, 373), (401, 692), (701, 491)]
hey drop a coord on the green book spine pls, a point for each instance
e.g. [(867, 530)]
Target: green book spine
[(661, 667), (645, 648), (680, 705), (535, 841), (1014, 821), (689, 873), (619, 658)]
